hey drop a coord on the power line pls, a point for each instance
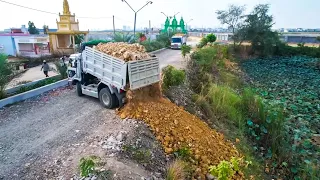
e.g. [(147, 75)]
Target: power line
[(28, 7), (50, 12)]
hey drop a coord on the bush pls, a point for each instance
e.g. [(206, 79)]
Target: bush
[(62, 70), (165, 39), (5, 73), (185, 49), (283, 49), (225, 169), (172, 77), (211, 38), (203, 42), (152, 45)]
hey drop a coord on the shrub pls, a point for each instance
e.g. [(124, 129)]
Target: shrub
[(165, 39), (152, 45), (203, 42), (185, 49), (172, 77), (205, 57), (62, 70), (225, 169), (5, 73), (211, 38)]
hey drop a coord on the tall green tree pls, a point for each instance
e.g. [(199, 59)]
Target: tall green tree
[(257, 30), (32, 28), (232, 17)]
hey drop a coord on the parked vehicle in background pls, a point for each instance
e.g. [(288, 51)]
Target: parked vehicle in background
[(178, 40)]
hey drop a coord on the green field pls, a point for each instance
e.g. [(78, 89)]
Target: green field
[(294, 83)]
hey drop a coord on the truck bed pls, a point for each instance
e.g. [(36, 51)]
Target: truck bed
[(114, 71)]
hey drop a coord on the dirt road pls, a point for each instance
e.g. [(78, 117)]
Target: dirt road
[(45, 137)]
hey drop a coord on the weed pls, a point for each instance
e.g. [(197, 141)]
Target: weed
[(226, 102), (86, 166), (172, 77), (183, 153), (230, 79), (223, 171), (176, 171)]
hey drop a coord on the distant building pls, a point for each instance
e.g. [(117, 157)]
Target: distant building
[(20, 44)]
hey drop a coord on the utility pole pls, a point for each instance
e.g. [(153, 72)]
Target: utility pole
[(150, 26), (114, 28), (135, 13)]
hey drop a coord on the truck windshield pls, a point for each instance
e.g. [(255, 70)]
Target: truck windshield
[(176, 40)]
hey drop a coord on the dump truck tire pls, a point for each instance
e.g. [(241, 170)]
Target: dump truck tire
[(107, 99)]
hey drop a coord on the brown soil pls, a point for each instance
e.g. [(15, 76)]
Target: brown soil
[(175, 129)]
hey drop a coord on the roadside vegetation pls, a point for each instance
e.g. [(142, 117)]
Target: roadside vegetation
[(263, 97), (5, 73), (162, 40)]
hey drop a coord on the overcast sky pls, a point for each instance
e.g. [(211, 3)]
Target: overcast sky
[(287, 13)]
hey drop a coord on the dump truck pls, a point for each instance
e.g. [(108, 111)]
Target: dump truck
[(108, 78), (178, 40)]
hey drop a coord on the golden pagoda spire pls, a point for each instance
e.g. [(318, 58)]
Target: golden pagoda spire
[(66, 10)]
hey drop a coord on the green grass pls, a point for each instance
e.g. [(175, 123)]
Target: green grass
[(227, 103)]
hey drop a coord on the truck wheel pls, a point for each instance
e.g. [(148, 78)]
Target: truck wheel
[(107, 99), (79, 90)]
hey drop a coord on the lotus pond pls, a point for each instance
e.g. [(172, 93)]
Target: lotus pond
[(294, 83)]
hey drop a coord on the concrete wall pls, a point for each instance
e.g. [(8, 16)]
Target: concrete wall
[(7, 45)]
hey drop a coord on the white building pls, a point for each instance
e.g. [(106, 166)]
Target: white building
[(32, 46)]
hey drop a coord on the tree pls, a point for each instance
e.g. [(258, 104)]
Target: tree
[(32, 28), (257, 30), (5, 73), (45, 29), (232, 17), (318, 38), (79, 38), (211, 38)]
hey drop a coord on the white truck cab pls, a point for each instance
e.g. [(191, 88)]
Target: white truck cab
[(177, 41)]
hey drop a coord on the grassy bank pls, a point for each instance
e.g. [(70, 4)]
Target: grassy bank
[(245, 115)]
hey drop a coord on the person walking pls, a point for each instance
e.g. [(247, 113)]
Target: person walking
[(45, 68)]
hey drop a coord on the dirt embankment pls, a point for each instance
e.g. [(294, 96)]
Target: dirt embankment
[(177, 129)]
